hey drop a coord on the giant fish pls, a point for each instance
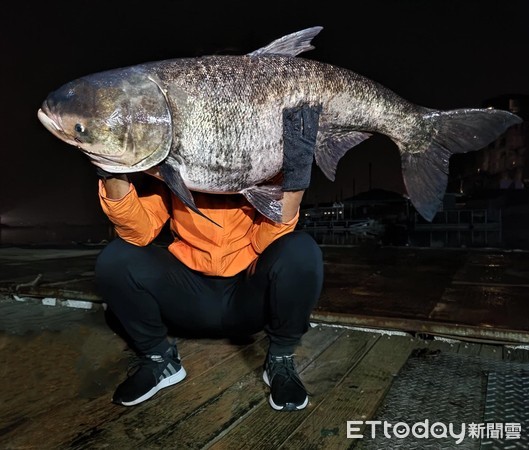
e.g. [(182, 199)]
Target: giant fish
[(214, 123)]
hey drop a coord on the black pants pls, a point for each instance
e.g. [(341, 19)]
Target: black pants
[(152, 293)]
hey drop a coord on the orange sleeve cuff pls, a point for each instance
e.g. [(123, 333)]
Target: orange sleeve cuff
[(267, 231), (136, 220)]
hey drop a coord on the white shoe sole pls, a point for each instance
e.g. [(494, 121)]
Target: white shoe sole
[(166, 382), (291, 407)]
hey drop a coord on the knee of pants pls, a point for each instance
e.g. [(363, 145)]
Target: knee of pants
[(113, 261), (300, 251)]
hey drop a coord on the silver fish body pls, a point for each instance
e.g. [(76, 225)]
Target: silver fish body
[(214, 123), (229, 133)]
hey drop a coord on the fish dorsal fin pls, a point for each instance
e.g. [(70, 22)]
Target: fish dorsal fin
[(290, 45)]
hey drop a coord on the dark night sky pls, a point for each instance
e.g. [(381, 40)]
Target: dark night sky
[(437, 53)]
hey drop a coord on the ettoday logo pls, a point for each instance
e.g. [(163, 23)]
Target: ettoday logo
[(436, 430), (401, 430)]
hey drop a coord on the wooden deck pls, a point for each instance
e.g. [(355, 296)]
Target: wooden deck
[(478, 294), (60, 366)]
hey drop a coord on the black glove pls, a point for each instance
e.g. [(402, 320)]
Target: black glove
[(300, 128), (102, 174)]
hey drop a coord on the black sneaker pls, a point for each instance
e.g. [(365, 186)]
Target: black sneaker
[(148, 375), (287, 392)]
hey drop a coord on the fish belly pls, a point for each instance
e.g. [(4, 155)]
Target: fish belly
[(221, 172)]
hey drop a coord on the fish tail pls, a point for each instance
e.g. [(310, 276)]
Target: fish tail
[(426, 153)]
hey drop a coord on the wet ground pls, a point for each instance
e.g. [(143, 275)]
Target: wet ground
[(470, 293), (60, 361)]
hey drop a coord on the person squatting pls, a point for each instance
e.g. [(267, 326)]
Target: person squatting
[(249, 275)]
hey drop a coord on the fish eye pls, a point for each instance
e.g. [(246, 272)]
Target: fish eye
[(79, 128)]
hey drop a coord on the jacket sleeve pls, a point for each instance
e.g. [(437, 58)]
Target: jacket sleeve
[(137, 220), (266, 231)]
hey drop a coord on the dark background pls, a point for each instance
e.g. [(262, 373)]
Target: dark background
[(437, 53)]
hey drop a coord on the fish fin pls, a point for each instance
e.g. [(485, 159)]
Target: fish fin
[(267, 200), (334, 147), (171, 176), (425, 159), (290, 45)]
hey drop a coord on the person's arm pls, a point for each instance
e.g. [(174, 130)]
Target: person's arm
[(300, 129), (117, 187), (137, 220), (291, 204)]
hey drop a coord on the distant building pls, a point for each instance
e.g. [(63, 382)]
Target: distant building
[(376, 203), (504, 163)]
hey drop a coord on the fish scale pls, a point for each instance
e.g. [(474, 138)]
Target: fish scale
[(214, 123)]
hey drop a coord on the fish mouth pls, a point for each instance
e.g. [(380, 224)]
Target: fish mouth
[(105, 162), (48, 122), (52, 125)]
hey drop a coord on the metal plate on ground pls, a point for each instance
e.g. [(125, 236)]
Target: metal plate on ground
[(448, 400), (507, 404)]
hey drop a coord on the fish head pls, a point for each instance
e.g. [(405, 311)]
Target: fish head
[(120, 119)]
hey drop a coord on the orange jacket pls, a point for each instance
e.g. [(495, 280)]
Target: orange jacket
[(199, 244)]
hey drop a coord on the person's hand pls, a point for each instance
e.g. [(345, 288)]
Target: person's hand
[(102, 174), (117, 185), (300, 128)]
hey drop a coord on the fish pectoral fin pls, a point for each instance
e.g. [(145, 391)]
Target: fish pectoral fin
[(171, 176), (333, 147), (267, 200), (290, 45)]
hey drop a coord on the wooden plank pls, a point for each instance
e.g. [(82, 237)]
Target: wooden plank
[(356, 397), (67, 411), (483, 306), (265, 428), (448, 329), (136, 427), (386, 282), (54, 265), (73, 361), (197, 429)]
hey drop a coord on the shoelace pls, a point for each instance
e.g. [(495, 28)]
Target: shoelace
[(284, 365)]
